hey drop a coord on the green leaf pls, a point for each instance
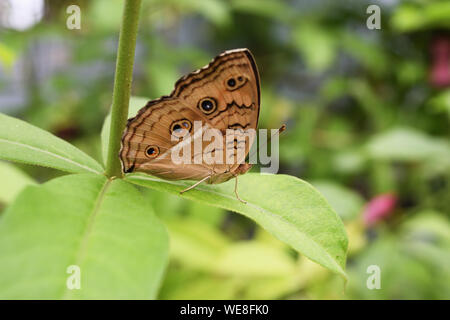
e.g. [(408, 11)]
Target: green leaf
[(211, 215), (136, 103), (7, 56), (406, 144), (428, 224), (316, 44), (265, 8), (289, 208), (105, 227), (195, 244), (190, 286), (369, 53), (349, 161), (23, 142), (421, 15), (440, 102), (104, 15), (214, 10), (254, 259), (271, 288), (13, 180), (257, 270), (347, 203)]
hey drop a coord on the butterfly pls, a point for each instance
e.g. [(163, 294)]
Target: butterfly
[(223, 96)]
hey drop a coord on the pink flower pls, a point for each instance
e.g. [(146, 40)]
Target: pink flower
[(440, 69), (379, 208)]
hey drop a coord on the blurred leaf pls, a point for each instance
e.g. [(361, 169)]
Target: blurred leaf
[(344, 201), (407, 18), (316, 44), (329, 288), (163, 73), (7, 56), (424, 14), (356, 236), (270, 288), (136, 103), (406, 144), (104, 15), (281, 109), (413, 263), (253, 259), (263, 236), (370, 54), (372, 102), (426, 237), (298, 142), (287, 207), (214, 10), (22, 142), (411, 72), (428, 226), (333, 88), (252, 269), (13, 180), (199, 211), (198, 246), (309, 272), (165, 205), (104, 227), (205, 288), (195, 244), (441, 102), (268, 8), (349, 161), (402, 277)]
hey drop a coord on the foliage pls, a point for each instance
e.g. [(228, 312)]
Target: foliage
[(120, 255), (363, 119)]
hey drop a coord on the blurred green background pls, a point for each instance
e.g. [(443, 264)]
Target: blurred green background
[(367, 113)]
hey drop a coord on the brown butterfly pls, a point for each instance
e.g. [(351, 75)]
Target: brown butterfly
[(225, 94)]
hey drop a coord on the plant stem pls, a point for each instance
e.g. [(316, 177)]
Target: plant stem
[(122, 84)]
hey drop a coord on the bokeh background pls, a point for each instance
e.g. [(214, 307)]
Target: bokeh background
[(367, 112)]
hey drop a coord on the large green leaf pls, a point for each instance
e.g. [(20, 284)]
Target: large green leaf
[(289, 208), (12, 181), (408, 144), (105, 227), (23, 142)]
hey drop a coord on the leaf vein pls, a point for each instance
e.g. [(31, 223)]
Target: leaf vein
[(91, 219), (51, 154)]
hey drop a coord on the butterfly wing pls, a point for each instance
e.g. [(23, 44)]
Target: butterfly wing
[(223, 95), (147, 142), (232, 80)]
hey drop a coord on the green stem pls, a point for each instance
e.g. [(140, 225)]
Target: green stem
[(122, 84)]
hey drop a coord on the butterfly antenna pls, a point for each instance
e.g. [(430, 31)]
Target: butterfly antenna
[(282, 128)]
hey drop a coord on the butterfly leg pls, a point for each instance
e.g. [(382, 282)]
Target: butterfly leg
[(235, 189), (195, 184)]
